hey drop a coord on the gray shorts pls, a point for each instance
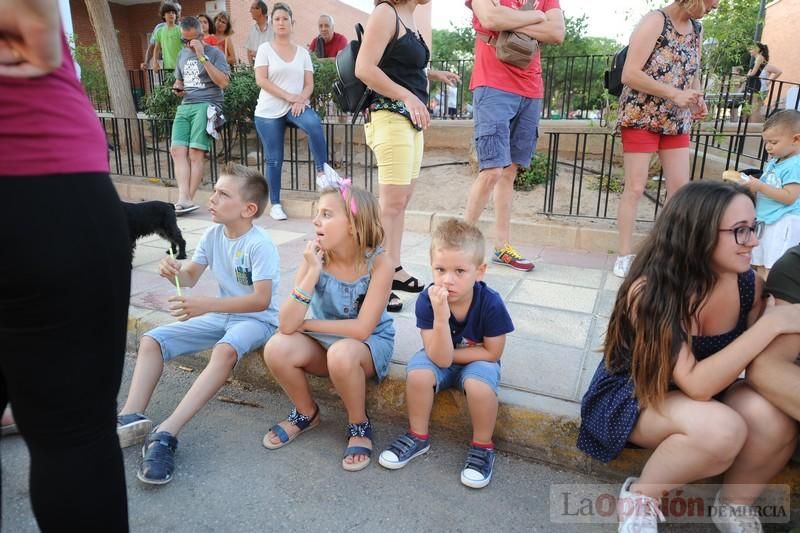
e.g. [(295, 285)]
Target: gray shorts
[(244, 334)]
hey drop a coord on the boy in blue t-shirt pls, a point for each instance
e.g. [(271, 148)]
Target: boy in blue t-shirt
[(245, 263), (463, 324), (778, 190)]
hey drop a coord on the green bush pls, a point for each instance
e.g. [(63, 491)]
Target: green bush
[(241, 96), (536, 174), (324, 76)]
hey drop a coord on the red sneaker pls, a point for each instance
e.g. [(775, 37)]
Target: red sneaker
[(509, 256)]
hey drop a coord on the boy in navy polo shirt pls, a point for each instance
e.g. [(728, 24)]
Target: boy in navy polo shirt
[(463, 324)]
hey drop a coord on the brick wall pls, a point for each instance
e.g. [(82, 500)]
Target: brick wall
[(779, 34)]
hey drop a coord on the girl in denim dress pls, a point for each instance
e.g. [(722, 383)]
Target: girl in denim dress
[(345, 280)]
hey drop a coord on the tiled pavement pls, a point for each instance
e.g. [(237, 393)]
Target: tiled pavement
[(560, 310)]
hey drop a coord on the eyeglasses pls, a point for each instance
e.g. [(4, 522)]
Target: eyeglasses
[(742, 234)]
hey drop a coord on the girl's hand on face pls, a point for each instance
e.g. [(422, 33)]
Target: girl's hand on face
[(313, 255)]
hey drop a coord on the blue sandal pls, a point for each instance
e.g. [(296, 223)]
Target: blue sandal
[(303, 423), (362, 429)]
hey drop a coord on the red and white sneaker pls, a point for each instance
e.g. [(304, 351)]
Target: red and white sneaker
[(509, 256)]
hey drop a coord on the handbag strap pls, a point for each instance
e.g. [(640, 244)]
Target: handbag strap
[(492, 39)]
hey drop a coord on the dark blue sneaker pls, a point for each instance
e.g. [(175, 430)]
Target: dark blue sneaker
[(132, 428), (477, 471), (158, 455), (402, 450)]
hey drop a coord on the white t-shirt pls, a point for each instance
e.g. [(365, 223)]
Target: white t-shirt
[(288, 76)]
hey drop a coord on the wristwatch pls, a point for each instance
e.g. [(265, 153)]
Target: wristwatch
[(203, 58)]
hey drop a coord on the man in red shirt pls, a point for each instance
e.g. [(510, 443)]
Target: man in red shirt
[(328, 43), (507, 104)]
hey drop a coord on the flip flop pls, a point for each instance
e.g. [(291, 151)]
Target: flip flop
[(181, 209), (304, 423)]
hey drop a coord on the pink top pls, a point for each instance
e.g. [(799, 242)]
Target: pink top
[(491, 72), (48, 126)]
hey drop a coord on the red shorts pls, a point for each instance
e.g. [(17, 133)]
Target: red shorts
[(635, 140)]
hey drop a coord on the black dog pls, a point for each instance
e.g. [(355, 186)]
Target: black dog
[(147, 218)]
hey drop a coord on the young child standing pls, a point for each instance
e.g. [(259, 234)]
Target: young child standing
[(246, 265), (345, 279), (463, 324), (778, 190)]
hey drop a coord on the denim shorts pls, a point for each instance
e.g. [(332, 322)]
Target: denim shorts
[(455, 375), (380, 344), (506, 127), (245, 334)]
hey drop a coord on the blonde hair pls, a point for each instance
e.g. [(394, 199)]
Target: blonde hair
[(365, 223), (453, 234), (252, 185)]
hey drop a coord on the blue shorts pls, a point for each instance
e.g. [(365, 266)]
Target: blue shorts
[(455, 375), (506, 127), (244, 334)]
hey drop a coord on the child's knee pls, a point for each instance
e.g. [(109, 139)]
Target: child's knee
[(478, 388), (341, 359), (148, 346), (276, 351), (224, 354), (421, 378)]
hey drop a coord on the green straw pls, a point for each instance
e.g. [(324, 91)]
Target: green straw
[(177, 281)]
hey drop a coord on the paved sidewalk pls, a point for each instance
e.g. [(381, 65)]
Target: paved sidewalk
[(560, 310)]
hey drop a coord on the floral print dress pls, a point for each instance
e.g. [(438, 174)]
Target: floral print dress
[(675, 61)]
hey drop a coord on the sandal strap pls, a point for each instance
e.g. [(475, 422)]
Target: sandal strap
[(361, 429), (280, 433), (358, 450), (300, 420)]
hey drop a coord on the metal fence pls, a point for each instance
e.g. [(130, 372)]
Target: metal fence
[(237, 142)]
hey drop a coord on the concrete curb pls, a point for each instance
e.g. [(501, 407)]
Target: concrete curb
[(533, 434)]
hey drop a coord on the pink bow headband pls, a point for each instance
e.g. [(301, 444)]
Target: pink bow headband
[(332, 179)]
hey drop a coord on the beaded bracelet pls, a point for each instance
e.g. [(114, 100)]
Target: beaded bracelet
[(300, 296)]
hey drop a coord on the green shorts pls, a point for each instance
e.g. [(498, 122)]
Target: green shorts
[(189, 127)]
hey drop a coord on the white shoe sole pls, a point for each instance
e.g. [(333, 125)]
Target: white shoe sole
[(397, 465), (475, 484), (134, 433)]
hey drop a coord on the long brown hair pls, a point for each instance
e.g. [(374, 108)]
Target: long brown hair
[(669, 280)]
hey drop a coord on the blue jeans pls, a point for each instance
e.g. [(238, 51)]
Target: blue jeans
[(271, 130)]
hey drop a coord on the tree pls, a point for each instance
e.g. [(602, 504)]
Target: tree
[(119, 87), (730, 30), (453, 44)]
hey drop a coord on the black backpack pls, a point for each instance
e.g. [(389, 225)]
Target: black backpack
[(612, 78), (349, 92)]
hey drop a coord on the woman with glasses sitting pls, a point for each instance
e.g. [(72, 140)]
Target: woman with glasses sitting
[(687, 322)]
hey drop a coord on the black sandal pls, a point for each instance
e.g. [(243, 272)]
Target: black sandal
[(412, 284), (395, 304)]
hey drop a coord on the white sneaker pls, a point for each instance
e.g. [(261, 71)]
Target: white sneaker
[(277, 212), (622, 265), (735, 517), (637, 513)]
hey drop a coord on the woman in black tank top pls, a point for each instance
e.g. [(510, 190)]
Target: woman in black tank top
[(392, 61)]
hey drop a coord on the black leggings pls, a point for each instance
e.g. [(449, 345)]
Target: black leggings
[(64, 290)]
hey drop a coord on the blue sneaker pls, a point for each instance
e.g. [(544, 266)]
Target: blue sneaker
[(132, 428), (477, 471), (402, 450), (158, 455)]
